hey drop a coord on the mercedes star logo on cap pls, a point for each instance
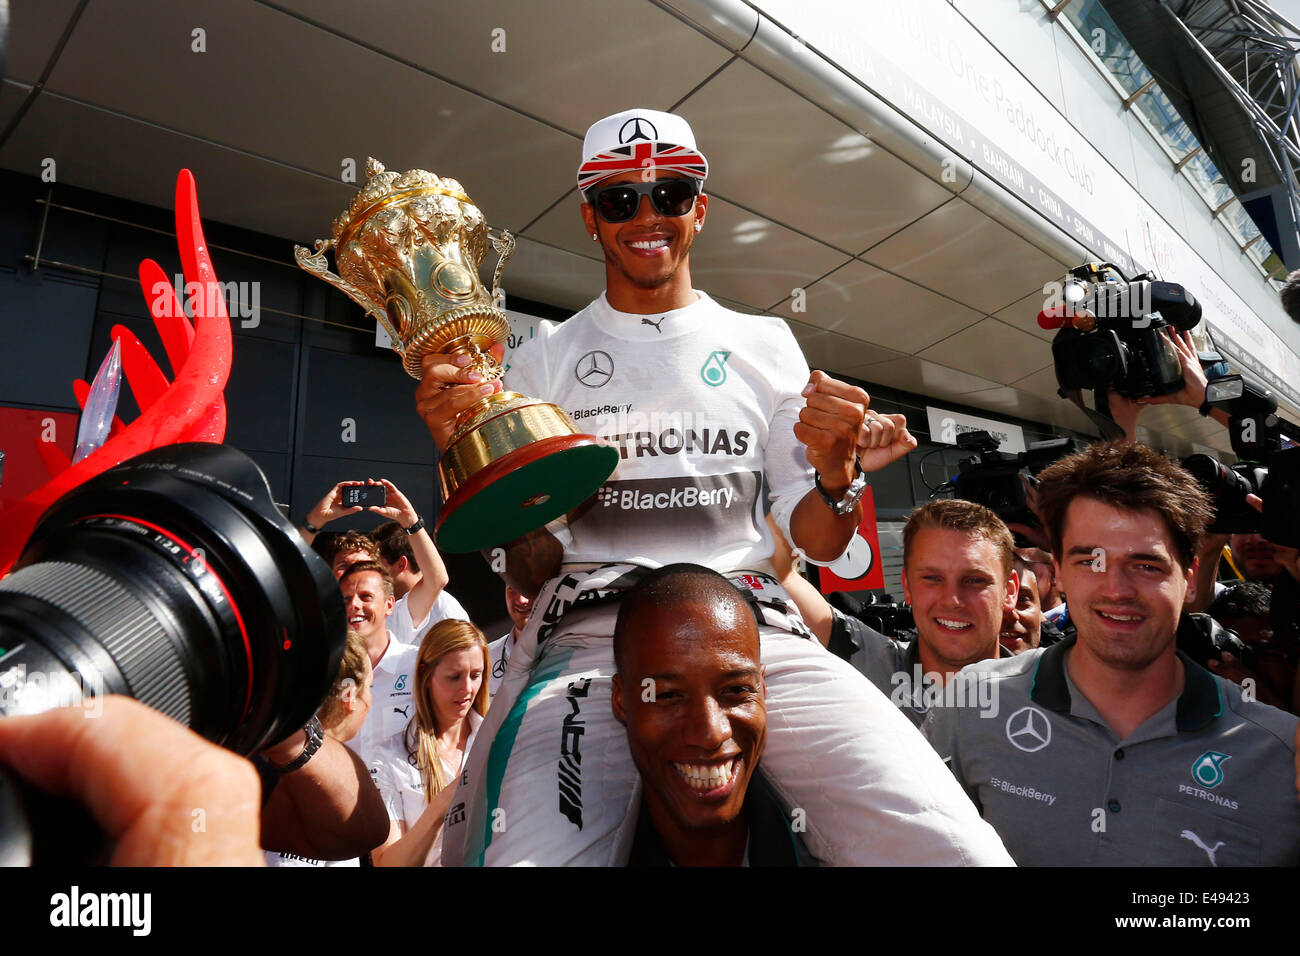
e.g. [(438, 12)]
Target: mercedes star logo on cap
[(636, 132)]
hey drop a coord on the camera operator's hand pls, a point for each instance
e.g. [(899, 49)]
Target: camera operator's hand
[(1288, 558), (447, 389), (1208, 553), (1194, 381), (1234, 670), (160, 792)]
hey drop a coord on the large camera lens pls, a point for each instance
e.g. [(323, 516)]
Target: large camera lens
[(1227, 489), (174, 579)]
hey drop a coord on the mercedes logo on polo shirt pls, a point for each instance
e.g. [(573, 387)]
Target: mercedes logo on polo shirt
[(635, 129), (594, 369), (1029, 730)]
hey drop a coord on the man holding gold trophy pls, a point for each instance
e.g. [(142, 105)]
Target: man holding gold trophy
[(696, 410)]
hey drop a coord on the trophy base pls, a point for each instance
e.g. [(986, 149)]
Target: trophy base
[(523, 490)]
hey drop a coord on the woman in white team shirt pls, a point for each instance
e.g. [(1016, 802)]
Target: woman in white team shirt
[(450, 701)]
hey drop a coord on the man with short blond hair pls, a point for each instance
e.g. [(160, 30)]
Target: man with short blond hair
[(958, 578), (368, 601)]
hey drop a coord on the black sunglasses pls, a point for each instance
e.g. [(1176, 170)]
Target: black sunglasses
[(669, 197)]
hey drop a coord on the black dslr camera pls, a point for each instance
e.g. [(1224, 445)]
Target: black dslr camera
[(173, 579), (1110, 331), (1269, 466), (993, 478)]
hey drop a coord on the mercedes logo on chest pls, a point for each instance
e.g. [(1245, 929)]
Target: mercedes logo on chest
[(594, 369), (1029, 730)]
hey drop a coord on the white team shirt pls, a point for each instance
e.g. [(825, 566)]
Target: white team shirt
[(392, 705), (398, 780), (408, 632), (701, 403)]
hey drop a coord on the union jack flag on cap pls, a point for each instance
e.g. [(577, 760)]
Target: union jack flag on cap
[(637, 140)]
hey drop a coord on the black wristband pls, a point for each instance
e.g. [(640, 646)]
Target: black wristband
[(310, 527), (415, 528), (1205, 409)]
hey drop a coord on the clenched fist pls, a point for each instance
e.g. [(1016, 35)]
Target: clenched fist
[(837, 426)]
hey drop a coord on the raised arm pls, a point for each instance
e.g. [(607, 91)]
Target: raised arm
[(433, 572), (328, 809), (837, 427), (326, 510)]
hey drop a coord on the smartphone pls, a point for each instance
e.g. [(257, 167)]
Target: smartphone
[(363, 495)]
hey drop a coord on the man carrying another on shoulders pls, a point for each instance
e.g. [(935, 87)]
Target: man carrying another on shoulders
[(709, 409), (689, 689)]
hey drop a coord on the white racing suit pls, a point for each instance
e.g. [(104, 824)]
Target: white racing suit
[(557, 785)]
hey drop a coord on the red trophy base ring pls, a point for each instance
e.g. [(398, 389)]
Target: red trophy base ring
[(523, 490)]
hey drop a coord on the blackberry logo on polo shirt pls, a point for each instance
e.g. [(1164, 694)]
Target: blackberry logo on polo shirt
[(1028, 729), (714, 370), (1208, 769), (594, 369)]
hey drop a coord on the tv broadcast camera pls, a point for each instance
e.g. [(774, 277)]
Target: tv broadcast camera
[(1110, 331), (994, 478), (174, 579)]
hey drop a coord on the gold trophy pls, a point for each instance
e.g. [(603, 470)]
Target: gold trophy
[(408, 250)]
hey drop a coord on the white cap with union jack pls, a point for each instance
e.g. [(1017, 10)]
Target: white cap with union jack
[(635, 140)]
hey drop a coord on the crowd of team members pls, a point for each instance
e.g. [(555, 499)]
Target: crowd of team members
[(1089, 716), (1086, 713), (1037, 743)]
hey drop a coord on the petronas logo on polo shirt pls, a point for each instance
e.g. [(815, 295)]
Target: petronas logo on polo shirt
[(714, 371), (1208, 769)]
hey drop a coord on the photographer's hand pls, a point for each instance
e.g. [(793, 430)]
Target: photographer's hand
[(161, 793), (1192, 394), (327, 509), (1038, 537), (433, 572), (1208, 553)]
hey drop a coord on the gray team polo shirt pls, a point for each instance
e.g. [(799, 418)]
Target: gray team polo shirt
[(895, 668), (1209, 780), (887, 663)]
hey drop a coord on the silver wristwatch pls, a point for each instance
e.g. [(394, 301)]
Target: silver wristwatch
[(851, 497)]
